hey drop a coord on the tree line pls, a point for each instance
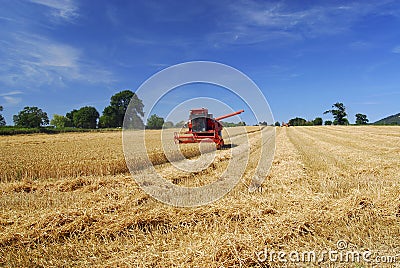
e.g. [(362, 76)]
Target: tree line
[(86, 117), (338, 111), (113, 116)]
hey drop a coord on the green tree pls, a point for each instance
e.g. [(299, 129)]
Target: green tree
[(2, 120), (328, 122), (317, 121), (339, 114), (31, 117), (114, 114), (297, 121), (86, 117), (109, 118), (277, 124), (155, 122), (60, 121), (361, 119), (70, 116), (168, 124)]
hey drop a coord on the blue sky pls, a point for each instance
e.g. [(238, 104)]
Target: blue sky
[(303, 55)]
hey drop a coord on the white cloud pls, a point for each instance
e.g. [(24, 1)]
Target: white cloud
[(141, 41), (360, 45), (10, 97), (15, 92), (396, 50), (60, 9), (255, 22), (33, 60), (252, 36), (44, 52), (159, 65), (12, 100), (7, 19), (322, 18)]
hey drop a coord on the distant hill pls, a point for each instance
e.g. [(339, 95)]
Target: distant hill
[(390, 120)]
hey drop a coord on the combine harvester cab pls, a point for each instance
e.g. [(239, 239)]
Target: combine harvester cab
[(203, 128)]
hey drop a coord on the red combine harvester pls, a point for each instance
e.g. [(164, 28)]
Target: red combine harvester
[(203, 127)]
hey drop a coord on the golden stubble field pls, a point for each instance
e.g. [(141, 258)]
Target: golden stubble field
[(69, 200)]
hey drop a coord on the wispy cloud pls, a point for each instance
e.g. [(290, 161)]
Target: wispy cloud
[(44, 52), (159, 65), (396, 50), (243, 36), (141, 41), (32, 60), (11, 98), (15, 92), (60, 9), (259, 21), (360, 45), (7, 19)]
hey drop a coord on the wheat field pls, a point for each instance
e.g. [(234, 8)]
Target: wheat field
[(69, 200)]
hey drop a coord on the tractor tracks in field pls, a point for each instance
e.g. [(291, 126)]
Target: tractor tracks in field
[(288, 168), (187, 151), (218, 166), (356, 139), (337, 163), (307, 145), (344, 150)]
